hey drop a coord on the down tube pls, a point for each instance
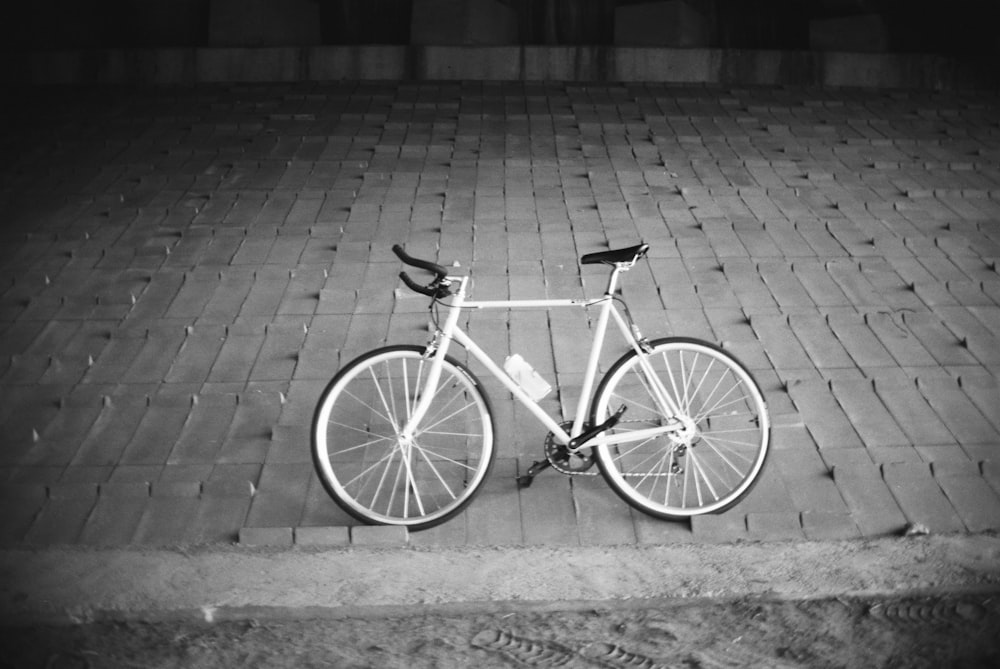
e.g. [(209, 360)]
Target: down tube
[(509, 383)]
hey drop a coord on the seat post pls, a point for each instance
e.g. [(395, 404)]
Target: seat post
[(613, 279)]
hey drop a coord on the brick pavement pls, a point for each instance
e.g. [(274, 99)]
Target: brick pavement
[(181, 271)]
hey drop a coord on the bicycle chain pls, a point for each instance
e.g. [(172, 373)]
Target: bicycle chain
[(558, 457)]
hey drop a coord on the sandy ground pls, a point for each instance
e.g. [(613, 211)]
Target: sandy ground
[(899, 602)]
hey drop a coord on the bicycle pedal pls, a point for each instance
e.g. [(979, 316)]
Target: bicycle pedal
[(524, 481)]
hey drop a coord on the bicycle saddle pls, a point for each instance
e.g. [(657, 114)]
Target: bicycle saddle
[(614, 256)]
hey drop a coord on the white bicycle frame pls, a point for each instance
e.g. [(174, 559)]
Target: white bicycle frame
[(452, 331)]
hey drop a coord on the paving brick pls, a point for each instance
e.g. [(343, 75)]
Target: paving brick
[(893, 333), (201, 437), (153, 360), (602, 517), (175, 489), (265, 536), (984, 391), (379, 535), (972, 335), (819, 342), (746, 283), (935, 337), (235, 359), (855, 285), (197, 354), (920, 497), (59, 440), (193, 294), (775, 526), (60, 521), (957, 412), (823, 416), (21, 503), (873, 507), (827, 526), (276, 359), (166, 520), (912, 412), (974, 500), (548, 516), (781, 345), (114, 360), (868, 416), (787, 290), (860, 342), (280, 497), (494, 516), (116, 515), (155, 435), (323, 536), (728, 527)]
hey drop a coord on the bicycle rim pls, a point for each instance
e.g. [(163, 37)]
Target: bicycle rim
[(718, 443), (374, 473)]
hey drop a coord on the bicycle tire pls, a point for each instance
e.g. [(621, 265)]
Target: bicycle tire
[(378, 477), (709, 465)]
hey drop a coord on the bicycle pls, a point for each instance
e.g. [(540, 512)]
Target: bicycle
[(404, 434)]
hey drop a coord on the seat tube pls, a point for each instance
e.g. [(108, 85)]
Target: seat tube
[(595, 355)]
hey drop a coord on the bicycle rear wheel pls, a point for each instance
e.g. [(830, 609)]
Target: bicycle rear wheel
[(718, 449), (371, 470)]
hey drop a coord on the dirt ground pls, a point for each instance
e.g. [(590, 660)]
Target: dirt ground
[(929, 601), (938, 631)]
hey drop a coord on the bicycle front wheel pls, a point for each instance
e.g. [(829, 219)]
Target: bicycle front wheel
[(718, 436), (382, 477)]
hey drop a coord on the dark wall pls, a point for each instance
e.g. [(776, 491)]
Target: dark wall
[(956, 27)]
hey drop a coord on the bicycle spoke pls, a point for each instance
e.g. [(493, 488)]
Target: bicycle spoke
[(385, 404), (363, 444), (435, 471), (710, 452), (358, 448)]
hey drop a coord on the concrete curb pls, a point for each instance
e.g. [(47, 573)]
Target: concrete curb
[(77, 585)]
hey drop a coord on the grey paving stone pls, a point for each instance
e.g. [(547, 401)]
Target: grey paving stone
[(379, 535), (819, 342), (781, 345), (920, 497), (893, 333), (494, 516), (154, 436), (21, 502), (322, 536), (828, 526), (602, 517), (728, 527), (280, 497), (822, 415), (912, 412), (868, 416), (873, 507), (775, 526), (266, 536), (983, 389), (977, 504), (946, 348), (956, 411), (860, 342), (548, 516)]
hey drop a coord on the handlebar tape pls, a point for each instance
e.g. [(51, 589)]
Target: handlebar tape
[(416, 287), (433, 268)]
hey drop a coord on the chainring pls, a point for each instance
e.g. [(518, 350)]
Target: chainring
[(565, 462)]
